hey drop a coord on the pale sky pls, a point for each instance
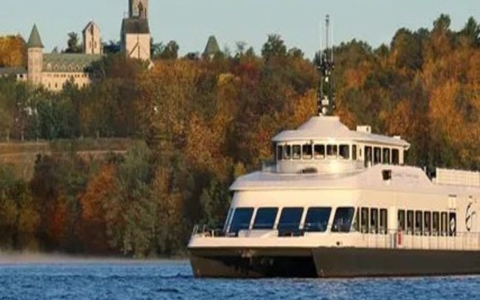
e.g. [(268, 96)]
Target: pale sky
[(190, 22)]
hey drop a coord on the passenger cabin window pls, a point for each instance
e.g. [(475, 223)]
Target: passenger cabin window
[(452, 230), (345, 151), (332, 151), (386, 156), (383, 221), (319, 151), (374, 220), (427, 223), (354, 152), (317, 219), (241, 219), (297, 152), (418, 222), (435, 223), (401, 220), (410, 222), (265, 218), (395, 157), (364, 220), (444, 224), (307, 151), (343, 219), (227, 221), (289, 223)]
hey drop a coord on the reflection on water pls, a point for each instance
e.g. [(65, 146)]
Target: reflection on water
[(65, 278)]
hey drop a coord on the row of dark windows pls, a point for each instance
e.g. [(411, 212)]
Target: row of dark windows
[(373, 155), (372, 220), (315, 151), (316, 219), (427, 223), (379, 155)]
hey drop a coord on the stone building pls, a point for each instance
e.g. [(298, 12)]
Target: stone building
[(54, 70)]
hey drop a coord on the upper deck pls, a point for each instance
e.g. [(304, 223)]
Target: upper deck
[(324, 145)]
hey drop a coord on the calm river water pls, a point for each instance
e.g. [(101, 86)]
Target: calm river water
[(174, 280)]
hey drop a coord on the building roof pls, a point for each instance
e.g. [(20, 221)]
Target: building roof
[(68, 62), (89, 25), (34, 41), (135, 26), (212, 46), (12, 71)]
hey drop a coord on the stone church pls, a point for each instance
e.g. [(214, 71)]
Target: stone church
[(54, 70)]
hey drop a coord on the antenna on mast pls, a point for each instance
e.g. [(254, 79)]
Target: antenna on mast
[(326, 95)]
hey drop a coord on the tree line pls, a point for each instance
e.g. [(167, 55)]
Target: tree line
[(201, 123)]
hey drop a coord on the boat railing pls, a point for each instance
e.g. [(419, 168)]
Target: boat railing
[(280, 230), (463, 241), (389, 239)]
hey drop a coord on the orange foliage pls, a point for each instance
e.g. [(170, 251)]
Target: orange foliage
[(12, 51)]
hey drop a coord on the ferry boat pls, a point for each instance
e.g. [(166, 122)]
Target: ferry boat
[(341, 203)]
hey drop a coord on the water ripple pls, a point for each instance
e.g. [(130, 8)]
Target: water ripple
[(174, 280)]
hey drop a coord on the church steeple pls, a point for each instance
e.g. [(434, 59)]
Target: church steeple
[(34, 41), (138, 9)]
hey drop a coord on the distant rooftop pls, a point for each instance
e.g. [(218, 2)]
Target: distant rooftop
[(68, 62), (212, 47)]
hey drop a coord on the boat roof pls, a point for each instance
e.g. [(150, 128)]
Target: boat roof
[(403, 178), (325, 128)]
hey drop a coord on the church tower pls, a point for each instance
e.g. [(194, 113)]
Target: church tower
[(35, 57), (135, 34), (91, 39), (138, 9)]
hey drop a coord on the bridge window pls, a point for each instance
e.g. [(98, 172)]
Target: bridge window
[(410, 222), (383, 221), (265, 218), (342, 221), (386, 156), (401, 220), (435, 223), (241, 219), (307, 151), (332, 151), (279, 152), (368, 156), (287, 152), (427, 217), (290, 220), (395, 157), (317, 219), (319, 151), (297, 152), (377, 155), (418, 222), (345, 151)]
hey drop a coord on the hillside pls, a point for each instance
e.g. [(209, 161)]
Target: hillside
[(21, 156)]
